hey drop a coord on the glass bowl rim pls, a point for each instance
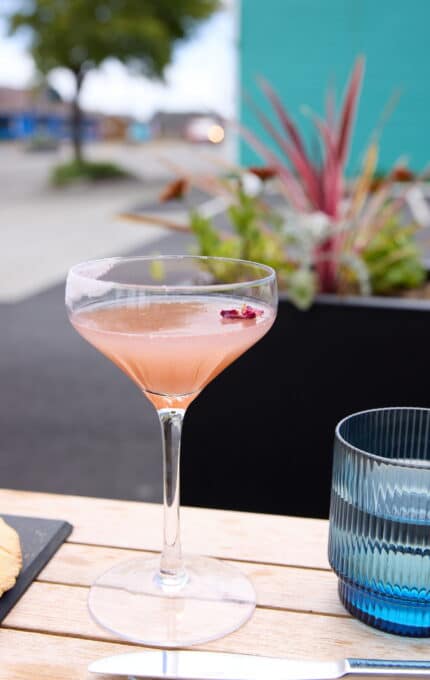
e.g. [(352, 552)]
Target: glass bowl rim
[(413, 463), (219, 287)]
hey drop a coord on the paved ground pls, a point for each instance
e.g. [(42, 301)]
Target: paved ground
[(44, 231)]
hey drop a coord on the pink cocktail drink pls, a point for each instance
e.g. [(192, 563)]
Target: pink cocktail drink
[(172, 347), (172, 324)]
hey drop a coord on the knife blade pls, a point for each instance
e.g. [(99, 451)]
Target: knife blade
[(194, 665)]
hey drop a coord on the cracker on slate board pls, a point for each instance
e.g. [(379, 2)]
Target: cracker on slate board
[(10, 557)]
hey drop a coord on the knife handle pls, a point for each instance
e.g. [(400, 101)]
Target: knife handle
[(382, 667)]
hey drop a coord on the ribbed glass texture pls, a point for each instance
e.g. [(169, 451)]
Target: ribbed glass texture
[(379, 543)]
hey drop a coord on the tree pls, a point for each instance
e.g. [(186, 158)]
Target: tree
[(80, 34)]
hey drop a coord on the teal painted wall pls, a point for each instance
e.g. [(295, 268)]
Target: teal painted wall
[(301, 46)]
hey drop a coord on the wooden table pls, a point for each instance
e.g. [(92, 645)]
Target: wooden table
[(49, 634)]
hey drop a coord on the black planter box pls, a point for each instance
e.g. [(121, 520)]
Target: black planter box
[(259, 438)]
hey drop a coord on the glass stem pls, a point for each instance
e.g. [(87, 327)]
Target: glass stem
[(172, 573)]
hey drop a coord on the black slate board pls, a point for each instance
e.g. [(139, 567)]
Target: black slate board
[(40, 539)]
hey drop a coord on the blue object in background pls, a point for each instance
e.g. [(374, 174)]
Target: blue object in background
[(139, 132), (379, 541), (28, 124), (301, 46), (16, 125)]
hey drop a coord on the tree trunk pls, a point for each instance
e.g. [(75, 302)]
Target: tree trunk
[(77, 118)]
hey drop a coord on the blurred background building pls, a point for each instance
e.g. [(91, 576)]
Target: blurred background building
[(27, 114)]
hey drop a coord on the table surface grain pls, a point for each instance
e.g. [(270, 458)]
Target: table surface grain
[(50, 635)]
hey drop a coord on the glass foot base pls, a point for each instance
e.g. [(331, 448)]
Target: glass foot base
[(400, 616), (130, 602)]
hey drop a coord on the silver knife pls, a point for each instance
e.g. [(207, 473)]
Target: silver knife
[(193, 665)]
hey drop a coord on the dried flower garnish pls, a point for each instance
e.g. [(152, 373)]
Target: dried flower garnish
[(402, 174), (245, 312), (174, 190), (264, 172)]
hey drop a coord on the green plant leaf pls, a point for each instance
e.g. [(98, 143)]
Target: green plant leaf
[(302, 288), (393, 259)]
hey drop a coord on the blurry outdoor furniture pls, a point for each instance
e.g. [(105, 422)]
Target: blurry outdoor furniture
[(49, 633)]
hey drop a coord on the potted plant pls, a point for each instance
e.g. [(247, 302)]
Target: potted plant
[(261, 433)]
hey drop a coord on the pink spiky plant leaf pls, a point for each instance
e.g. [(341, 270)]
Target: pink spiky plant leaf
[(297, 157), (292, 185), (347, 116), (321, 184), (283, 115)]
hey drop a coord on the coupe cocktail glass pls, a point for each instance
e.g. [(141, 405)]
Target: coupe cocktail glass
[(172, 324)]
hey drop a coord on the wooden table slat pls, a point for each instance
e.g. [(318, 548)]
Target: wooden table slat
[(251, 537), (35, 656), (63, 609), (277, 587)]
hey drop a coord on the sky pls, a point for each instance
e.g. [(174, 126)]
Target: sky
[(202, 75)]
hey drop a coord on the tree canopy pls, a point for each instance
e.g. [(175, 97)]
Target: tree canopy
[(78, 34)]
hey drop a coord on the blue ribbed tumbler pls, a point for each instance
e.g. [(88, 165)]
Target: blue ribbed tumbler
[(379, 544)]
